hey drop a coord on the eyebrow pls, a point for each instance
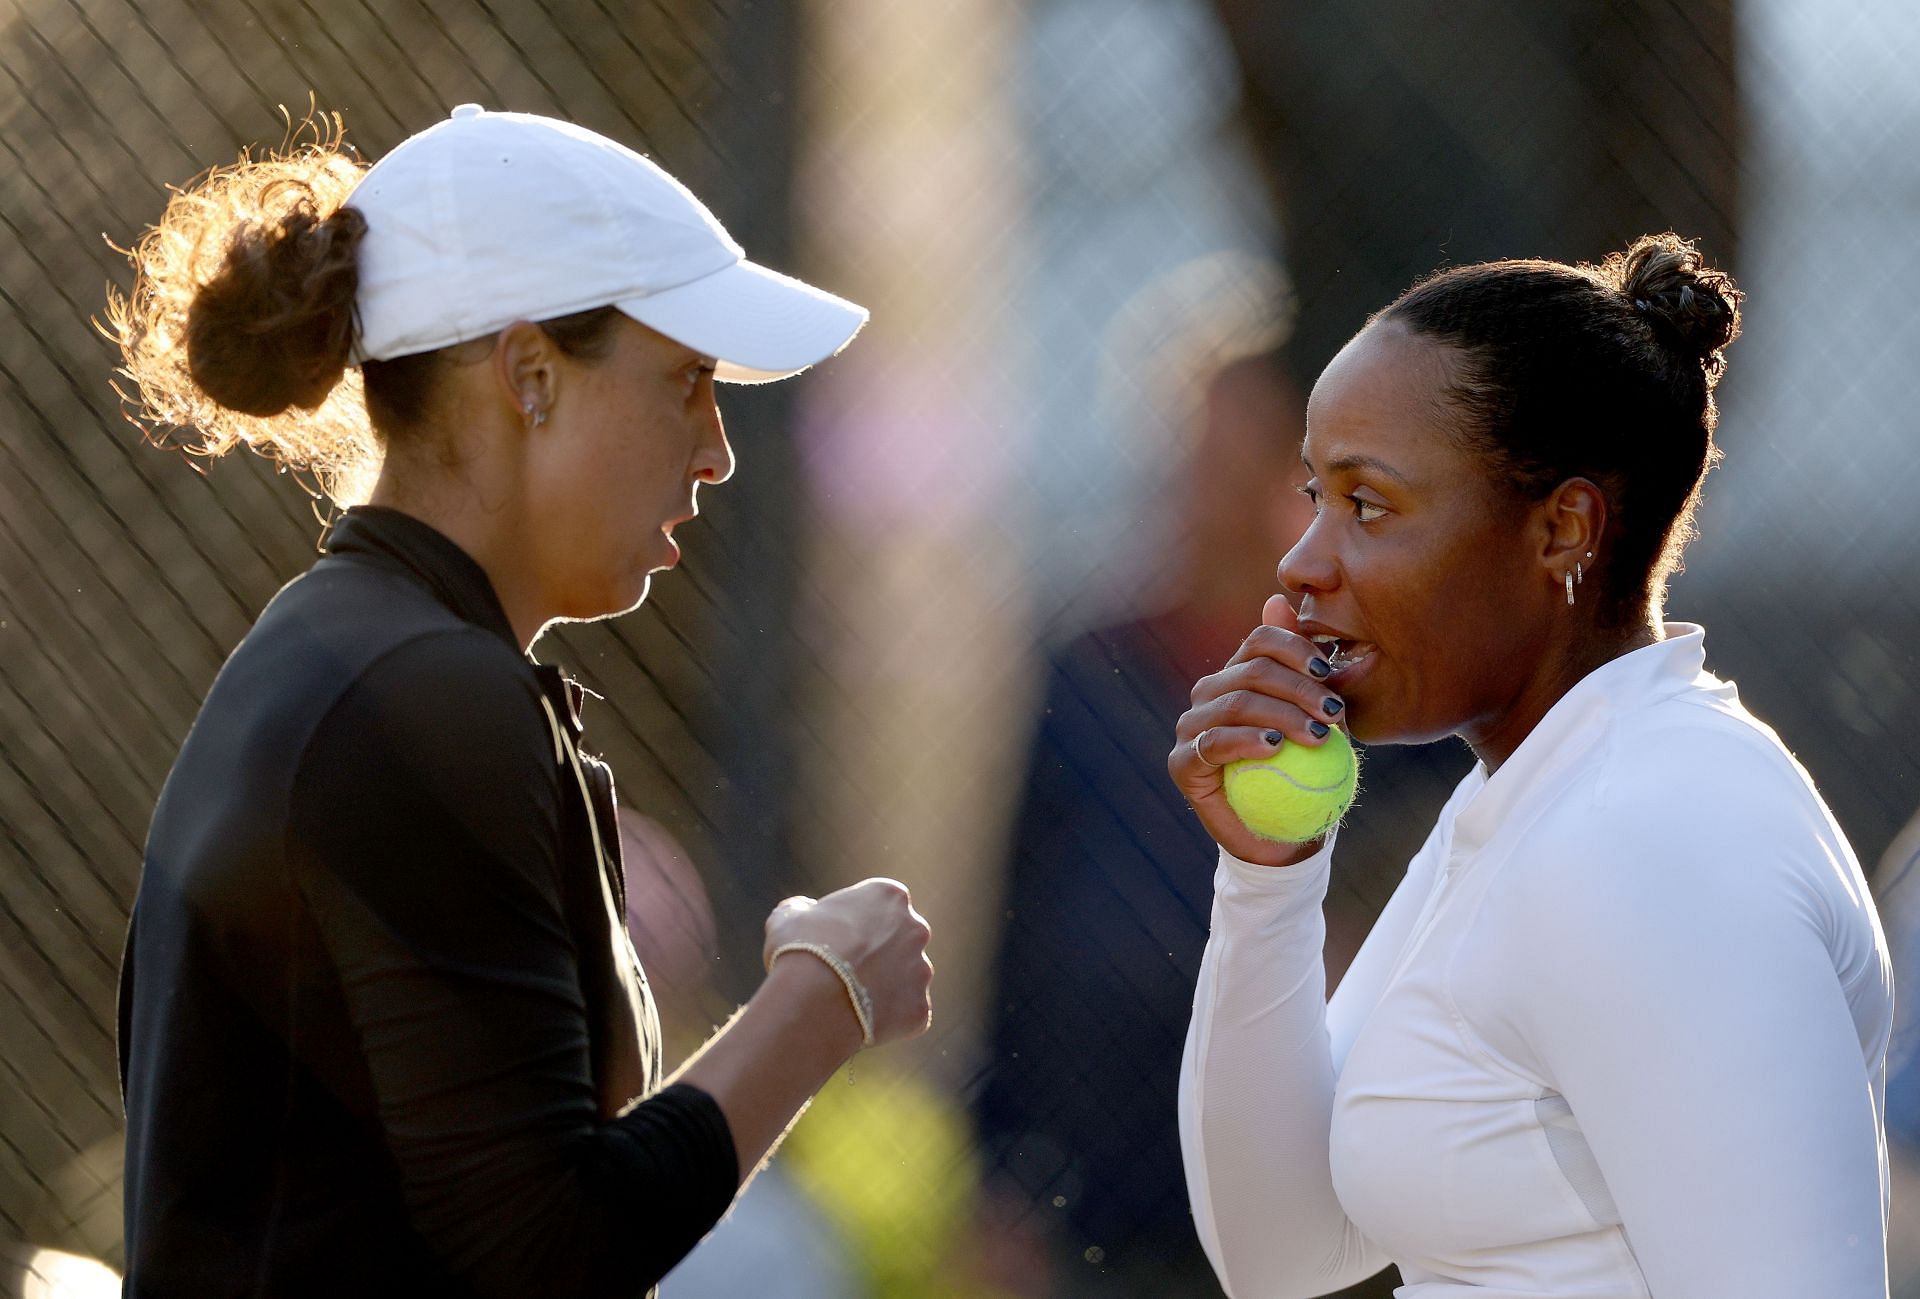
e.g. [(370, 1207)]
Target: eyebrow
[(1351, 462)]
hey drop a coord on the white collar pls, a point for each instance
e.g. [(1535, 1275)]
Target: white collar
[(1577, 721)]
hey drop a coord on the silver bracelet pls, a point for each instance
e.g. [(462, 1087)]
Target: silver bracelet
[(856, 991)]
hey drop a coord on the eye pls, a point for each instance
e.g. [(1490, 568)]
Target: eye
[(695, 373), (1364, 511)]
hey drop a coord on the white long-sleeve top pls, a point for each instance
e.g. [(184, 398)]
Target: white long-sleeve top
[(1621, 1032)]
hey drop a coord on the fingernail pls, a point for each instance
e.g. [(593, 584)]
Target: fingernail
[(1318, 667), (1319, 730), (1274, 738), (1332, 705)]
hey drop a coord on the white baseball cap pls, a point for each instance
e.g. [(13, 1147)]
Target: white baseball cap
[(488, 218)]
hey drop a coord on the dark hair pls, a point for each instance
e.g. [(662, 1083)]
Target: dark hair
[(274, 327), (241, 319), (1601, 372)]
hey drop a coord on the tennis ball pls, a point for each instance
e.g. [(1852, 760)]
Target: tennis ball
[(890, 1163), (1297, 794)]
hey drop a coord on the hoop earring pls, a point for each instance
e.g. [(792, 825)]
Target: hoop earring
[(1578, 575)]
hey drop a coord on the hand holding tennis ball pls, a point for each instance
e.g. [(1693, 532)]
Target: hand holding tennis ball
[(1258, 755), (1299, 793)]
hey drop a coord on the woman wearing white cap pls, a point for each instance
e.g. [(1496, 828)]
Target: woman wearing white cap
[(381, 1028)]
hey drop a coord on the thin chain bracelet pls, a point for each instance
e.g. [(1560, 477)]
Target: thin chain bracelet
[(856, 991)]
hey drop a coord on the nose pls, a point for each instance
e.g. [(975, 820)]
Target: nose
[(713, 458), (1310, 566)]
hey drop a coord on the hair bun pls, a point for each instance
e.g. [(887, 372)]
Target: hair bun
[(1693, 309), (273, 327)]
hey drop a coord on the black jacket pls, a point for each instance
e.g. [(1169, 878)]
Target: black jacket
[(380, 1023)]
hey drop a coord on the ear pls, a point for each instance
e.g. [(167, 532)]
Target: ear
[(526, 371), (1572, 520)]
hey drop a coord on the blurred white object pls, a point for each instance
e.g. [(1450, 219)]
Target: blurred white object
[(56, 1274)]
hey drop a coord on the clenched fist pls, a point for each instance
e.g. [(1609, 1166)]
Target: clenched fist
[(873, 927)]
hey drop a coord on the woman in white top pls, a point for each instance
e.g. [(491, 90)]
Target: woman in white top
[(1622, 1030)]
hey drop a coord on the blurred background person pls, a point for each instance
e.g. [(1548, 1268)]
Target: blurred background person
[(1105, 904)]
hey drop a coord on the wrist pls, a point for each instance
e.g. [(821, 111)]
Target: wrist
[(1273, 854), (806, 990)]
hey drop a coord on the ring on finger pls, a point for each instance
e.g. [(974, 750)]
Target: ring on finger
[(1200, 753)]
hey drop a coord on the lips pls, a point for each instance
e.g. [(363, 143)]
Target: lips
[(667, 528), (666, 532)]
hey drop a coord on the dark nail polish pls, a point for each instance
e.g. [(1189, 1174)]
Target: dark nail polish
[(1332, 705), (1319, 729), (1318, 667), (1274, 738)]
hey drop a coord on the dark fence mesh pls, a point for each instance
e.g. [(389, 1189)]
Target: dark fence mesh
[(939, 625)]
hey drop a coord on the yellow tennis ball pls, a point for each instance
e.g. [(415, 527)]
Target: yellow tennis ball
[(890, 1162), (1297, 794)]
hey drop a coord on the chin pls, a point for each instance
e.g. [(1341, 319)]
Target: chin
[(613, 605), (635, 597), (1371, 727), (1362, 729), (1376, 724)]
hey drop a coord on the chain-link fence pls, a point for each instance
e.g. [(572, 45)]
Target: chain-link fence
[(939, 625)]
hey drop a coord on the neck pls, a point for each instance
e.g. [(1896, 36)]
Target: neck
[(1563, 666), (494, 538)]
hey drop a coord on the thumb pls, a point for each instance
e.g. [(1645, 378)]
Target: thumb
[(1277, 612)]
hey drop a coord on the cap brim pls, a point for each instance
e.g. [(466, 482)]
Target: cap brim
[(757, 324)]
